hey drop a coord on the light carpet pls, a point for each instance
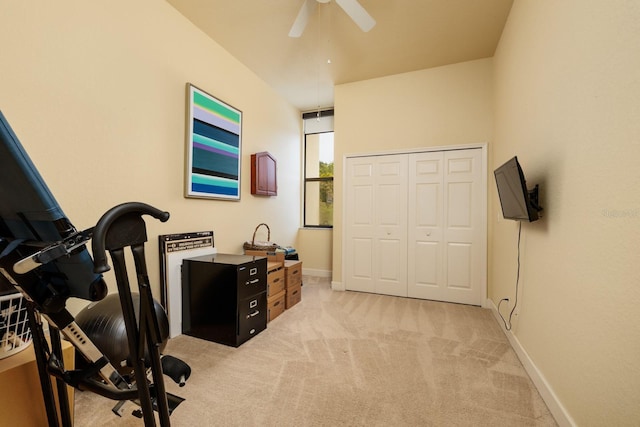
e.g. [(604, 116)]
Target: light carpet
[(352, 359)]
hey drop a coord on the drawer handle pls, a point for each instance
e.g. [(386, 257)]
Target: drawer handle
[(254, 314), (277, 303), (276, 280), (253, 271), (253, 282), (295, 271)]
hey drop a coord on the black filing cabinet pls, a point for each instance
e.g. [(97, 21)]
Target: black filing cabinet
[(224, 297)]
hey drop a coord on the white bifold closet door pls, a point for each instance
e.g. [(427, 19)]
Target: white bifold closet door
[(376, 229), (415, 227), (446, 256)]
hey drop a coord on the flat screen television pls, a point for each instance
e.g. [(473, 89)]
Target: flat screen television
[(518, 203), (29, 212)]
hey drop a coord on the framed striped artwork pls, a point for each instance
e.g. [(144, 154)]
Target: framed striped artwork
[(214, 144)]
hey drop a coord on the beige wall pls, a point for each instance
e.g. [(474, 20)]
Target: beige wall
[(97, 97), (449, 105), (96, 93), (567, 77), (315, 248)]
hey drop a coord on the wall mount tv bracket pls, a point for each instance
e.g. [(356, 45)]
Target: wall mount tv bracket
[(534, 198)]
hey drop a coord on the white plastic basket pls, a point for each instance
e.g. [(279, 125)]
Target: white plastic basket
[(15, 334)]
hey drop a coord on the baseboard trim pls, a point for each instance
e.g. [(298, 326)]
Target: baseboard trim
[(556, 408), (316, 272), (338, 286)]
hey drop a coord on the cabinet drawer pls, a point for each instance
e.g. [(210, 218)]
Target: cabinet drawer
[(252, 316), (275, 282), (251, 280)]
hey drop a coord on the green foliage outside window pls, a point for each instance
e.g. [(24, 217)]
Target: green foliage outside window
[(326, 194)]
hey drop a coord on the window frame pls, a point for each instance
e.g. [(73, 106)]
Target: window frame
[(316, 115), (315, 179)]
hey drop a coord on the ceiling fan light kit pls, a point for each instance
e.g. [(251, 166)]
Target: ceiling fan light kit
[(351, 7)]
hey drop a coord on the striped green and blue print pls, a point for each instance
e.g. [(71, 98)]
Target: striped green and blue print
[(215, 156)]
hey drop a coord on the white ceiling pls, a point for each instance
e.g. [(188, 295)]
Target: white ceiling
[(409, 35)]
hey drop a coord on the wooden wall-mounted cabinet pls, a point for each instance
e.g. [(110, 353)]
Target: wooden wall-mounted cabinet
[(263, 175)]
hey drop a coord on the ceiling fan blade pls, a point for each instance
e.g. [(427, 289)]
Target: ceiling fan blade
[(359, 15), (303, 17)]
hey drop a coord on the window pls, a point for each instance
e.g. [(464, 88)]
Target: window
[(318, 180), (318, 169)]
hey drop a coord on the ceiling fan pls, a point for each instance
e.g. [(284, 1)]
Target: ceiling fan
[(351, 7)]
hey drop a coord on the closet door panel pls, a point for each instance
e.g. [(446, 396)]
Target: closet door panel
[(362, 256), (425, 273), (363, 201), (359, 225), (460, 205), (427, 206), (375, 224), (464, 228), (391, 225), (445, 212), (459, 266)]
